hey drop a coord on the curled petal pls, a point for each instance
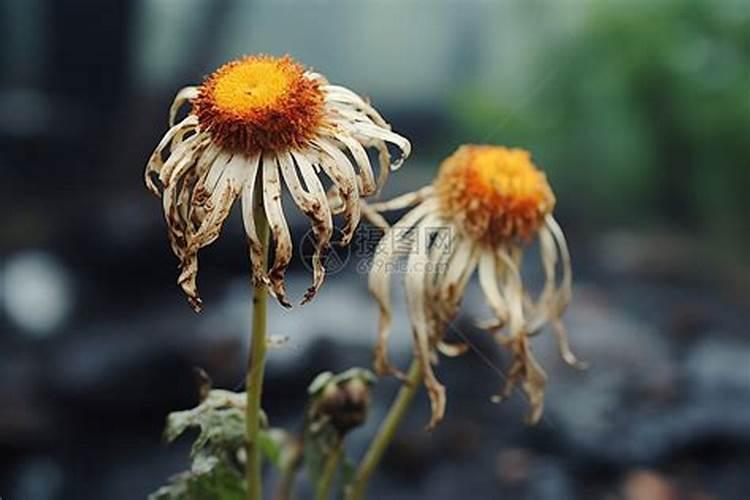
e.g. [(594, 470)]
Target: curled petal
[(213, 176), (249, 204), (441, 250), (177, 191), (512, 291), (403, 201), (218, 207), (384, 161), (360, 157), (562, 341), (342, 95), (524, 367), (212, 157), (567, 274), (553, 300), (156, 161), (335, 201), (350, 113), (416, 277), (526, 370), (185, 94), (317, 77), (379, 283), (373, 217), (347, 104), (370, 131), (393, 245), (316, 190), (453, 282), (344, 178), (343, 108), (452, 349), (314, 205), (279, 229), (488, 282), (545, 306), (182, 157)]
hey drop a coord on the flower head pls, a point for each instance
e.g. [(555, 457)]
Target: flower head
[(494, 193), (488, 203), (260, 104), (256, 124)]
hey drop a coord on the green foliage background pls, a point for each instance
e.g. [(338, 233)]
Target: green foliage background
[(641, 117)]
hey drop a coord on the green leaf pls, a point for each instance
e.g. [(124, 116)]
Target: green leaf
[(216, 472), (208, 479), (218, 452), (220, 419)]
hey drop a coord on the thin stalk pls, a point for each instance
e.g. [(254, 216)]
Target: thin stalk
[(256, 362), (323, 490), (386, 432), (289, 473)]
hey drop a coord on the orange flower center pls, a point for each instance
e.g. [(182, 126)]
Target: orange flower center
[(260, 103), (494, 194)]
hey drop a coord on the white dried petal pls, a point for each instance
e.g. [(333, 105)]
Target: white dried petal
[(452, 284), (314, 205), (512, 291), (342, 95), (156, 161), (257, 252), (391, 247), (344, 178), (452, 349), (405, 200), (566, 284), (360, 157), (526, 370), (279, 228), (184, 95), (488, 282), (373, 217), (183, 157), (415, 298), (370, 131), (218, 208)]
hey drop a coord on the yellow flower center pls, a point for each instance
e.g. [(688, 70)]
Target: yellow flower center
[(251, 84), (260, 103), (495, 194)]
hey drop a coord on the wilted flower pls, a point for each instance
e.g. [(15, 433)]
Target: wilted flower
[(486, 204), (256, 123)]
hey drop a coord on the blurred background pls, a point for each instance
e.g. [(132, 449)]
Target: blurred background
[(639, 111)]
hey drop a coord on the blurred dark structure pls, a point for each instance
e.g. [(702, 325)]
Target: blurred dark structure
[(639, 111)]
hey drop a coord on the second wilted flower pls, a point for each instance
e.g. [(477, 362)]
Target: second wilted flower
[(492, 201)]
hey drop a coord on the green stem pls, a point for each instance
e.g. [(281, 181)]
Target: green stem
[(323, 490), (289, 473), (385, 433), (256, 364)]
